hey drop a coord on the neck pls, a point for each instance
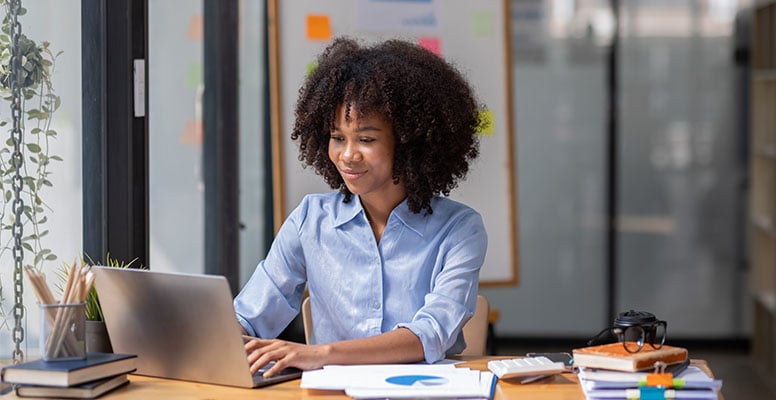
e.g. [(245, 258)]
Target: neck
[(378, 207)]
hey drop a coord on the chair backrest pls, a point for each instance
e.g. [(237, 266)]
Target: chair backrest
[(475, 331), (307, 318)]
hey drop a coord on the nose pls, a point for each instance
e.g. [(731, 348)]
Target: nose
[(351, 152)]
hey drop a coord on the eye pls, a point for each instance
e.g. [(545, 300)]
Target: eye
[(336, 138), (366, 140)]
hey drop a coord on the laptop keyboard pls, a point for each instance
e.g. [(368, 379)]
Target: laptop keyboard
[(284, 375)]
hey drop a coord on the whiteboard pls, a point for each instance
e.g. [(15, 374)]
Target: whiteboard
[(472, 35)]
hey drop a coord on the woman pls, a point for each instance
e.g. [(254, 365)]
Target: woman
[(390, 265)]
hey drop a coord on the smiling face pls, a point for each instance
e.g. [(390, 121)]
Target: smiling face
[(362, 149)]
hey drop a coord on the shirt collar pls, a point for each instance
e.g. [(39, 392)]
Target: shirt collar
[(349, 211)]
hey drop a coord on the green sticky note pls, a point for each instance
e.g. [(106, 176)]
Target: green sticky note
[(483, 23), (487, 123), (194, 75)]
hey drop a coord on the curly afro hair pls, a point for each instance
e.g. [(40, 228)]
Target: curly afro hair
[(433, 111)]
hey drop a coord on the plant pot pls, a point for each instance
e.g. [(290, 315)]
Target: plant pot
[(97, 339)]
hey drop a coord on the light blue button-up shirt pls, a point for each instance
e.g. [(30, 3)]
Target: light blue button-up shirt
[(423, 275)]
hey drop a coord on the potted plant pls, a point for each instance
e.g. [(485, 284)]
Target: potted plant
[(97, 338)]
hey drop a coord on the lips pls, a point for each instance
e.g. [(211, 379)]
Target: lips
[(351, 174)]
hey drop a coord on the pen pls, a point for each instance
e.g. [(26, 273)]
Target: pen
[(493, 383)]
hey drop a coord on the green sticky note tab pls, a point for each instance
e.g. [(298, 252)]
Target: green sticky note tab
[(483, 23), (487, 123), (194, 75)]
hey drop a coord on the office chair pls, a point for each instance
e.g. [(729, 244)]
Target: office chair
[(307, 319), (475, 331)]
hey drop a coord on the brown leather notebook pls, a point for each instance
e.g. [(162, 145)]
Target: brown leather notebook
[(614, 356)]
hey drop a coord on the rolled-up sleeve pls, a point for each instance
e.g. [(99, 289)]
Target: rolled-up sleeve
[(453, 296)]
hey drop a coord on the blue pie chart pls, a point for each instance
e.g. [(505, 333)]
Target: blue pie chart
[(417, 380)]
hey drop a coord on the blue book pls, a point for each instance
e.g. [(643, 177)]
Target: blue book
[(88, 390), (69, 373)]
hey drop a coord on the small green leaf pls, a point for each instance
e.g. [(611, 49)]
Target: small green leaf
[(58, 158), (33, 147), (51, 257), (27, 246)]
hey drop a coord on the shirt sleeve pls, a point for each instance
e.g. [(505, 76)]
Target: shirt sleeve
[(272, 297), (453, 297)]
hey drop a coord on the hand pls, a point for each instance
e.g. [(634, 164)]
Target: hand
[(285, 354)]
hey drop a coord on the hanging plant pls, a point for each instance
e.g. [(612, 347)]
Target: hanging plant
[(38, 105)]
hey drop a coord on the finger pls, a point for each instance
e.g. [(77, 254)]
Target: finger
[(256, 366), (255, 343), (279, 366)]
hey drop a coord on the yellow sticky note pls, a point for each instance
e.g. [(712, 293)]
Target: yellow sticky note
[(487, 123), (318, 27), (483, 23)]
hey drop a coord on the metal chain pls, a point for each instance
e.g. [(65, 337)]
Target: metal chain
[(17, 160)]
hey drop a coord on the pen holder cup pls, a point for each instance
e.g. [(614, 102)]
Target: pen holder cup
[(63, 332)]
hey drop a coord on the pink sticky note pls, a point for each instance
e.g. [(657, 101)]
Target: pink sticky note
[(431, 43)]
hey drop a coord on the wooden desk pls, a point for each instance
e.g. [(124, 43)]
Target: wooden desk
[(557, 387)]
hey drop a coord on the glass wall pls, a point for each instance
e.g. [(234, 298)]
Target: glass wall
[(254, 177), (176, 182), (559, 74), (682, 167), (57, 22)]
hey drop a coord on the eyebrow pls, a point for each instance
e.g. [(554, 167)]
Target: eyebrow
[(362, 128)]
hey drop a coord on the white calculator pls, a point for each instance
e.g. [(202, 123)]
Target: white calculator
[(525, 366)]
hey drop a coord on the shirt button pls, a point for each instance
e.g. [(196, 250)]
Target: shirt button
[(376, 305)]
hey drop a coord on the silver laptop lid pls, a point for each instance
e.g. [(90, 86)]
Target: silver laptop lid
[(181, 326)]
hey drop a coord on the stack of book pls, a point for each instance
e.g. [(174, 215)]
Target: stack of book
[(610, 372), (92, 377)]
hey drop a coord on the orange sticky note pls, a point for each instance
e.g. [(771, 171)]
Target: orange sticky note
[(661, 380), (318, 27), (432, 44), (488, 125), (195, 30)]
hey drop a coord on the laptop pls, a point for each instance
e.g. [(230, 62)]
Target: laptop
[(181, 326)]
